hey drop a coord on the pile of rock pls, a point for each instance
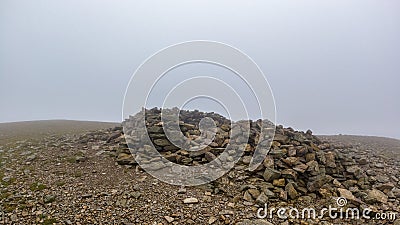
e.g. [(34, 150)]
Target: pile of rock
[(298, 164)]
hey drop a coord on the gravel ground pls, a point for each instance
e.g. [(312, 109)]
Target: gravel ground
[(64, 179)]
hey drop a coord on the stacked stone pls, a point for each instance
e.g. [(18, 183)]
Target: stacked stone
[(298, 163), (300, 166)]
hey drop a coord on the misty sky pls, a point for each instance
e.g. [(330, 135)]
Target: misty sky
[(333, 65)]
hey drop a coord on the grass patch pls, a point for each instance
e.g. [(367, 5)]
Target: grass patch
[(5, 195), (49, 221), (49, 199), (6, 183), (9, 207), (71, 159), (1, 175), (60, 183), (22, 206), (78, 174), (37, 186)]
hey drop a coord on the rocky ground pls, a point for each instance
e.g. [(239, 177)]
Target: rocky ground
[(80, 178), (16, 131)]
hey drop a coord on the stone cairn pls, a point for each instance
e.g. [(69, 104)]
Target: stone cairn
[(298, 163)]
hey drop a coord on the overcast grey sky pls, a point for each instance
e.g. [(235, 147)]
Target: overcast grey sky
[(333, 65)]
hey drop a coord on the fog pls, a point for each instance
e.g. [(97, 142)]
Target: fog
[(333, 66)]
